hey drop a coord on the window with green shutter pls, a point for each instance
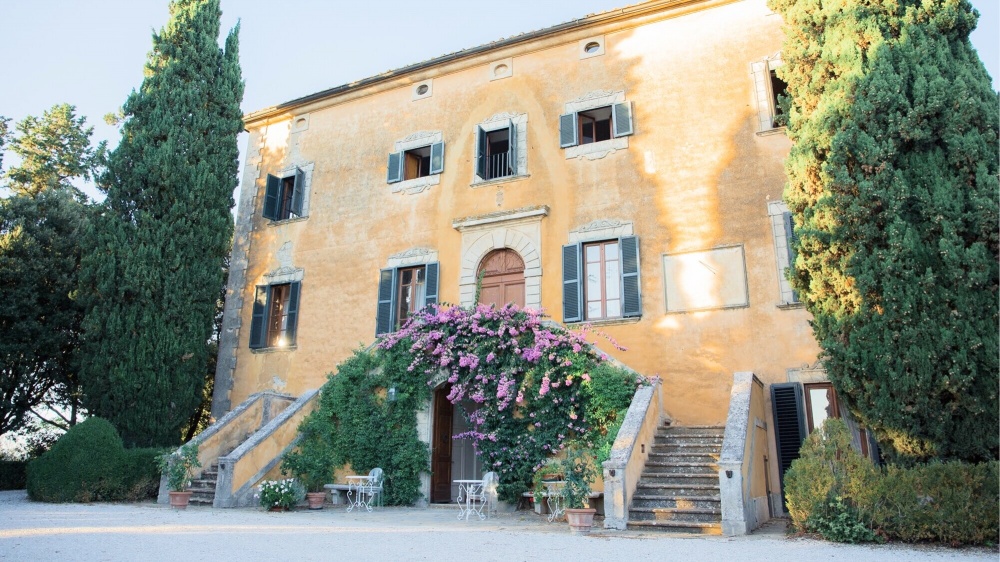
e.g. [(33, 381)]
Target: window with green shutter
[(595, 125), (284, 197), (403, 291), (275, 315), (601, 280), (416, 163)]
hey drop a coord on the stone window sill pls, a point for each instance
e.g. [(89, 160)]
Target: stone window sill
[(791, 305), (286, 221), (274, 349), (606, 322), (498, 181), (596, 150), (774, 131)]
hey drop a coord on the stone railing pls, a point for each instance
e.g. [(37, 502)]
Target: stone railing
[(629, 453), (743, 461)]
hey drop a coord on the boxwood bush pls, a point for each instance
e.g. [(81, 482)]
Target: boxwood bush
[(833, 491), (89, 463)]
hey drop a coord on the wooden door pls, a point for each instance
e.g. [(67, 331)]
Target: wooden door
[(503, 278), (444, 413)]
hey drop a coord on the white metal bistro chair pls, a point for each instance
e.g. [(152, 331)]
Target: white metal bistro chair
[(480, 497), (366, 490)]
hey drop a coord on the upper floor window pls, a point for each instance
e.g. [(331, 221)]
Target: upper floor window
[(769, 90), (275, 316), (496, 152), (284, 196), (416, 163), (403, 291), (601, 280), (595, 125), (784, 236)]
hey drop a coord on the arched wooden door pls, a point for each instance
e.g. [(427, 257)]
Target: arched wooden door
[(503, 278)]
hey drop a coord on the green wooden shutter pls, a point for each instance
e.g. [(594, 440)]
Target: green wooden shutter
[(631, 293), (298, 192), (621, 114), (385, 321), (258, 322), (395, 168), (437, 158), (271, 194), (481, 161), (512, 147), (572, 287), (787, 405), (293, 312), (791, 240), (568, 129), (431, 284)]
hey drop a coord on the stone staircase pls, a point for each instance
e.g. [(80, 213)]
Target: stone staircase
[(679, 487), (203, 488)]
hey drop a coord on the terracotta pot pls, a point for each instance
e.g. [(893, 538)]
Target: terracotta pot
[(278, 508), (316, 499), (580, 520), (179, 500)]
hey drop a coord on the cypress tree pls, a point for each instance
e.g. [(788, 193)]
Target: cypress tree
[(893, 185), (155, 264)]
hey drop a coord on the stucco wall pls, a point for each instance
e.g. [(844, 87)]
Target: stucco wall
[(694, 176)]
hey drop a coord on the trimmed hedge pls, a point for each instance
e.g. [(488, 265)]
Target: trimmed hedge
[(89, 463), (13, 475), (833, 491)]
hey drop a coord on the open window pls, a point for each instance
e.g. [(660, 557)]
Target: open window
[(769, 89), (595, 125), (284, 196), (778, 90), (403, 291), (275, 316), (601, 280), (496, 152), (416, 163)]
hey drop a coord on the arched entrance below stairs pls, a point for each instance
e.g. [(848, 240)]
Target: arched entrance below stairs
[(502, 272)]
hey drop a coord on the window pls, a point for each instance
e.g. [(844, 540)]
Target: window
[(783, 232), (595, 125), (601, 280), (496, 152), (779, 89), (403, 291), (275, 315), (283, 196), (769, 90), (416, 163)]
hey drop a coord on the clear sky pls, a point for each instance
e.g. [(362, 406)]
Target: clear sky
[(91, 53)]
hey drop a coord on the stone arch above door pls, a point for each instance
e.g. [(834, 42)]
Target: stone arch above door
[(519, 230)]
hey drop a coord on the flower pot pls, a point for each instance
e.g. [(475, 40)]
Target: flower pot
[(580, 520), (179, 500), (316, 499), (278, 508)]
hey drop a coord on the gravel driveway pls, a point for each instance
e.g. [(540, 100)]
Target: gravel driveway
[(148, 532)]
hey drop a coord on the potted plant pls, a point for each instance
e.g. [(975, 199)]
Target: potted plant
[(310, 464), (279, 495), (551, 471), (579, 472), (176, 466)]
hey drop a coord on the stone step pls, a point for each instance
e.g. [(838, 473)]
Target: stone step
[(707, 501), (689, 527), (686, 429), (683, 456), (676, 490), (677, 467), (673, 434), (698, 515), (681, 480), (674, 447)]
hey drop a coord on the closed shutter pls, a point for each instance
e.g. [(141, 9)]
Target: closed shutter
[(437, 158), (631, 293), (258, 322), (790, 242), (787, 404), (395, 168), (293, 312), (512, 148), (298, 192), (271, 194), (572, 294), (568, 130), (431, 284), (481, 161), (384, 322), (621, 114)]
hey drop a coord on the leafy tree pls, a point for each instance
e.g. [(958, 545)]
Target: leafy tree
[(154, 265), (893, 184), (40, 228)]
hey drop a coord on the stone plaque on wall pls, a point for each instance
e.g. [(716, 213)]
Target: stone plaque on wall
[(705, 280)]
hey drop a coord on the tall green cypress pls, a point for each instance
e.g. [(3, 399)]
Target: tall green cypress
[(893, 184), (155, 260)]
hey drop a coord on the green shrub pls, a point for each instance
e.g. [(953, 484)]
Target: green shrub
[(833, 491), (12, 475), (89, 463)]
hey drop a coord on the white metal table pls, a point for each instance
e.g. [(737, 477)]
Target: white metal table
[(554, 497), (363, 489), (469, 493)]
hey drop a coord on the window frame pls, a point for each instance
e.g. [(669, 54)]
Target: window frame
[(762, 72), (571, 127), (574, 277), (266, 330), (396, 167), (783, 234), (387, 310), (280, 205)]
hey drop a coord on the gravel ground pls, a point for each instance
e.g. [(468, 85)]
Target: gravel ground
[(149, 532)]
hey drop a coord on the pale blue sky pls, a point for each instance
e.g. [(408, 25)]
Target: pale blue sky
[(91, 53)]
